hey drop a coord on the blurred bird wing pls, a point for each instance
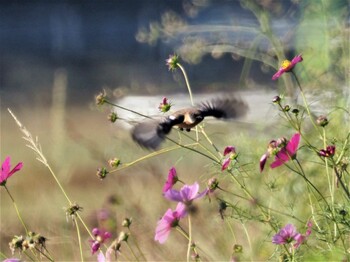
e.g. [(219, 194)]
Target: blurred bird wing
[(226, 107), (146, 134)]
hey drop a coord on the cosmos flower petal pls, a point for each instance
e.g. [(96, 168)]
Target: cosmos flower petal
[(297, 59), (229, 149), (293, 144), (225, 164), (173, 195), (278, 74)]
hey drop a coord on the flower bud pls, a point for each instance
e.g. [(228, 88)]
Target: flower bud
[(276, 100), (213, 184), (172, 62), (286, 108)]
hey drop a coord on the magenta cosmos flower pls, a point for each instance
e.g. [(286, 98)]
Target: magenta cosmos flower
[(328, 152), (288, 152), (172, 179), (168, 221), (283, 151), (186, 195), (231, 151), (287, 66), (6, 171), (100, 237)]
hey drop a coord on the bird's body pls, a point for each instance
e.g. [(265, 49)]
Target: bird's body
[(150, 133)]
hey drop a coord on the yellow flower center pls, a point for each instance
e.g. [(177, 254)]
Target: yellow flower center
[(286, 64)]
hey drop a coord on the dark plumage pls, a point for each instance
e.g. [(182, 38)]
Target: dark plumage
[(151, 133)]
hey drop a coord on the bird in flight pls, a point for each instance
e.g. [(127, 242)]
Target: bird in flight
[(150, 133)]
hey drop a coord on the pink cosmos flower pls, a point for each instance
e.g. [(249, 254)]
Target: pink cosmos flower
[(231, 150), (288, 234), (186, 194), (288, 152), (172, 179), (287, 66), (168, 221), (100, 237), (6, 171), (285, 236), (272, 148)]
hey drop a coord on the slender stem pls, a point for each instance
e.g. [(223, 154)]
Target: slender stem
[(79, 240), (189, 90), (132, 251), (248, 238), (305, 103), (189, 238), (17, 211)]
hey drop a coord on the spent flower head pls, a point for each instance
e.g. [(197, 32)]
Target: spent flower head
[(100, 99), (169, 220), (287, 66), (102, 172), (112, 117), (73, 210), (171, 180), (127, 222), (114, 162), (6, 171), (165, 105), (172, 62)]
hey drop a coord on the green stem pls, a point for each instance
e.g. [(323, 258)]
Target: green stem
[(132, 251), (189, 238), (17, 211), (79, 240)]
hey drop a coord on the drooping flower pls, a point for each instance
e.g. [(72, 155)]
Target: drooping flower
[(172, 179), (6, 171), (288, 152), (186, 195), (100, 237), (168, 221), (287, 66), (165, 105), (231, 151), (328, 152)]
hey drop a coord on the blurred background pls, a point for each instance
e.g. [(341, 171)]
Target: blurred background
[(57, 55)]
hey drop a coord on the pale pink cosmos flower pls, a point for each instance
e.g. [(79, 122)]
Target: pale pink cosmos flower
[(288, 152), (231, 151), (6, 171), (172, 179), (168, 221), (186, 195), (287, 66)]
